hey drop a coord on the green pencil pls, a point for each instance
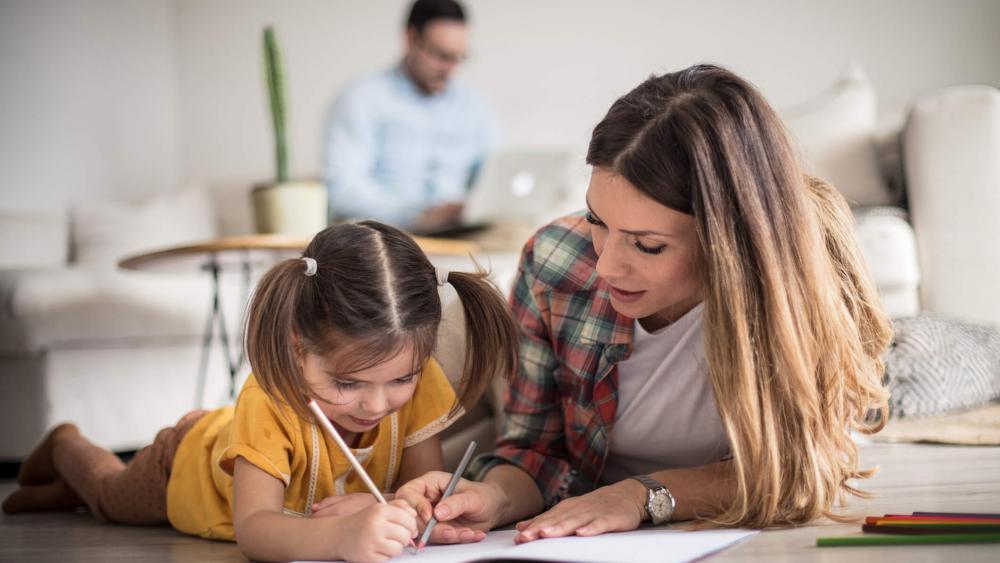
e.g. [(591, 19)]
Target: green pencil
[(843, 541)]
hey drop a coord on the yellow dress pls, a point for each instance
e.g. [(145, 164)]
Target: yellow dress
[(298, 453)]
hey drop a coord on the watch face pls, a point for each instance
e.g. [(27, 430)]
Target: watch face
[(659, 505)]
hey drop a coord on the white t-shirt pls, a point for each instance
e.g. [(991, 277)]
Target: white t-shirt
[(666, 416)]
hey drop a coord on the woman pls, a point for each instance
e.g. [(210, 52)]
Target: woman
[(707, 327)]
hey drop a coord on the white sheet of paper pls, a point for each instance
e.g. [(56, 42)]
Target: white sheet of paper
[(651, 545)]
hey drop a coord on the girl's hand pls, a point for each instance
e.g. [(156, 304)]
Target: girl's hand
[(615, 508), (376, 533), (343, 505), (463, 517)]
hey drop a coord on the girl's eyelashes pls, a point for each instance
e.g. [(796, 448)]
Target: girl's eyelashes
[(346, 385), (592, 219), (649, 249), (350, 385)]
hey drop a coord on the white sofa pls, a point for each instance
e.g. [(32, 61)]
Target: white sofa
[(118, 352), (80, 340)]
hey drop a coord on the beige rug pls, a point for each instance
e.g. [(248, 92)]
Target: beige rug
[(974, 427)]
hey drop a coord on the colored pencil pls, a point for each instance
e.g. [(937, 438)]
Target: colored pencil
[(928, 519), (924, 523), (881, 539), (931, 529), (450, 488), (958, 514)]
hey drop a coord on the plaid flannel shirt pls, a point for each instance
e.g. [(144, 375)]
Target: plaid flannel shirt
[(561, 406)]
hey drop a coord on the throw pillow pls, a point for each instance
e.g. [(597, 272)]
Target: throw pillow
[(889, 246), (105, 232), (834, 132), (937, 364)]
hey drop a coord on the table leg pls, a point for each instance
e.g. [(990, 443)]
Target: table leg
[(206, 342), (217, 318)]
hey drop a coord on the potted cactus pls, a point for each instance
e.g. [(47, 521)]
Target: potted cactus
[(284, 206)]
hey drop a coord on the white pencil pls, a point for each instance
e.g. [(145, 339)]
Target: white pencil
[(325, 423)]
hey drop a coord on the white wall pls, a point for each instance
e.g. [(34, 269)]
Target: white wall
[(553, 67), (119, 96), (87, 98)]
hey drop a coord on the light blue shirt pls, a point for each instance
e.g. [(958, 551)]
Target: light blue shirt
[(393, 151)]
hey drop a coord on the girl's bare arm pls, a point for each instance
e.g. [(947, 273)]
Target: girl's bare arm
[(264, 532), (421, 458)]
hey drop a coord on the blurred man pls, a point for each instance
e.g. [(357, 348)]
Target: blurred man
[(403, 145)]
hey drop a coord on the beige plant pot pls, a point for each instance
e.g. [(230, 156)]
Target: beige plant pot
[(290, 208)]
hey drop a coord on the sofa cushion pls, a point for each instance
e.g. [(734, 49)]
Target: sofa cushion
[(80, 308), (33, 239), (835, 131), (104, 232)]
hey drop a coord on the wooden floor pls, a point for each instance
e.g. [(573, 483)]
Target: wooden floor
[(913, 477)]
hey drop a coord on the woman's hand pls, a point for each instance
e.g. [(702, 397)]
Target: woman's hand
[(615, 508), (463, 517), (376, 533), (343, 505)]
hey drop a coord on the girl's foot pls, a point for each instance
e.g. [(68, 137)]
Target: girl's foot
[(56, 495), (38, 468)]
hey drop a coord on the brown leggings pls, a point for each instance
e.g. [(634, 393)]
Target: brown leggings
[(115, 492)]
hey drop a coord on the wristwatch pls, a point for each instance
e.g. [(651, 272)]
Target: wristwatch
[(659, 502)]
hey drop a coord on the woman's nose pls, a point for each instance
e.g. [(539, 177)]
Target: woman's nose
[(611, 261)]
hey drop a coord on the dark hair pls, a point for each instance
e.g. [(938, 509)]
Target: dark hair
[(375, 287), (425, 11), (794, 332)]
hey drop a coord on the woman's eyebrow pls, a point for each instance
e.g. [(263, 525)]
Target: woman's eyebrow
[(627, 232), (646, 233)]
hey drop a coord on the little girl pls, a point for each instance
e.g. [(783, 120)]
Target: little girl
[(352, 325)]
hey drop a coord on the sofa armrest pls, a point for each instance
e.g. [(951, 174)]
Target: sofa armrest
[(951, 157)]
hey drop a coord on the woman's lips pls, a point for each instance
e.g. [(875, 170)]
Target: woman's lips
[(625, 296)]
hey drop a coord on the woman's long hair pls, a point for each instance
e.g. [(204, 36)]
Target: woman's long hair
[(794, 330)]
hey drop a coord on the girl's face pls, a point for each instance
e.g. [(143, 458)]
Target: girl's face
[(647, 252), (355, 402)]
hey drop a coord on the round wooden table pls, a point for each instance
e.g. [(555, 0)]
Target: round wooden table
[(246, 253)]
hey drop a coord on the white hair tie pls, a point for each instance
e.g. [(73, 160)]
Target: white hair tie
[(310, 265), (442, 275)]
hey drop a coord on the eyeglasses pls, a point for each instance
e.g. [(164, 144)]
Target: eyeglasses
[(440, 54)]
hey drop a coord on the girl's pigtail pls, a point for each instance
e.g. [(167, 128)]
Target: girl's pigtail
[(270, 329), (491, 336)]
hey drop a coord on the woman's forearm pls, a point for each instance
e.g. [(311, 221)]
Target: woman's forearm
[(518, 493), (698, 492)]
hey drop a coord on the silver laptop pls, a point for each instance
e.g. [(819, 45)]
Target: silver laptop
[(518, 187)]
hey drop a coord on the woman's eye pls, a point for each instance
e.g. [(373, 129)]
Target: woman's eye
[(347, 385), (404, 380), (649, 249), (593, 220)]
